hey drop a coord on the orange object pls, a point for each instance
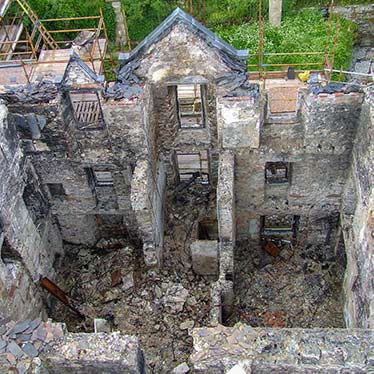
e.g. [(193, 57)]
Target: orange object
[(272, 249)]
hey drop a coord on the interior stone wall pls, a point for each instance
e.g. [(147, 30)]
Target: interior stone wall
[(32, 237), (318, 148), (173, 64), (94, 353), (357, 218)]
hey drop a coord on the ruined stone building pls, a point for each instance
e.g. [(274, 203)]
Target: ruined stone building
[(205, 173)]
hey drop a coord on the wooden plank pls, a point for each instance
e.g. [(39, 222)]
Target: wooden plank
[(57, 292)]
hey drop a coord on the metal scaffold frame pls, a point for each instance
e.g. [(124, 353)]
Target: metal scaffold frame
[(327, 57), (40, 38)]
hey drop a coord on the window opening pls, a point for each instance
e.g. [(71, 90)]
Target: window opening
[(280, 226), (277, 172), (56, 189), (87, 109), (190, 105), (102, 185), (103, 178), (208, 229), (193, 167)]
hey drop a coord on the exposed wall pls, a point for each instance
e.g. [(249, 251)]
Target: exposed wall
[(220, 349), (29, 239), (172, 64), (358, 224), (363, 16), (318, 149), (95, 353), (171, 138), (239, 122), (222, 291)]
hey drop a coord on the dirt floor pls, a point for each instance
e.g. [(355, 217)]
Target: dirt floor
[(299, 288)]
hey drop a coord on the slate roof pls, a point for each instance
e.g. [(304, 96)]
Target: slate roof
[(164, 28), (74, 57)]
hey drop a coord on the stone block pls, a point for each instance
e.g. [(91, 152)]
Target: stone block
[(204, 255), (238, 122), (101, 325)]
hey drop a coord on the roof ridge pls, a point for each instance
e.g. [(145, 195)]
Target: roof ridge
[(74, 57), (176, 15)]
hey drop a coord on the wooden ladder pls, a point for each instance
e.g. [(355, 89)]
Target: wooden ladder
[(48, 38)]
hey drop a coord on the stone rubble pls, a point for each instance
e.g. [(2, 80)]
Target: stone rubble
[(295, 289), (183, 368), (159, 308), (21, 342), (175, 297)]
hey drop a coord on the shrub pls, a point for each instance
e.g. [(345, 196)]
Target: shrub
[(233, 20), (304, 32)]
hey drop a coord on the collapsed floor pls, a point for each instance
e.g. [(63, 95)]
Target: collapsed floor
[(157, 308), (111, 281), (298, 288)]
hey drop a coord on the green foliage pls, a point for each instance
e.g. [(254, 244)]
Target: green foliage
[(305, 32), (231, 12), (47, 9), (234, 20)]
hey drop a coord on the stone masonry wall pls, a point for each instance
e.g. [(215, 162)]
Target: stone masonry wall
[(85, 211), (239, 122), (173, 64), (30, 238), (94, 353), (318, 149), (358, 224), (226, 212), (266, 350)]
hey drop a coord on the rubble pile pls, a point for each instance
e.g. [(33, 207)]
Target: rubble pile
[(159, 307), (21, 343), (187, 206), (293, 289)]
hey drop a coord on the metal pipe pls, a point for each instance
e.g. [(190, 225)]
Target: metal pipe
[(71, 30), (292, 53), (13, 41), (68, 19), (349, 72)]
